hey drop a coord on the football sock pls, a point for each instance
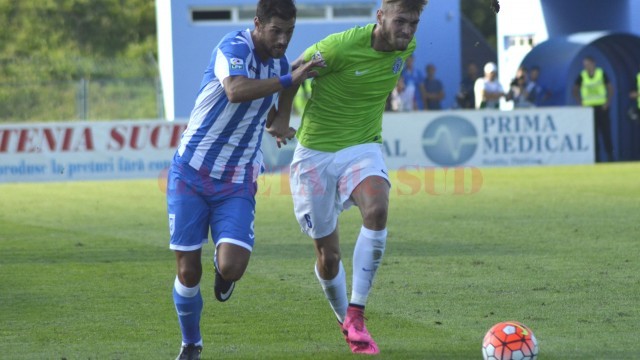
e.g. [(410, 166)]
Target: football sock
[(367, 257), (188, 303), (336, 291)]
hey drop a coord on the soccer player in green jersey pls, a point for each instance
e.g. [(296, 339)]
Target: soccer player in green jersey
[(338, 161)]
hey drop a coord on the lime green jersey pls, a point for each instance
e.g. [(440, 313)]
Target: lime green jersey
[(349, 95)]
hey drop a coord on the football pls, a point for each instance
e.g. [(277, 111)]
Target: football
[(509, 340)]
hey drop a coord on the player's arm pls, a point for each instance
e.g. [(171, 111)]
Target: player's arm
[(241, 89), (311, 62), (278, 120)]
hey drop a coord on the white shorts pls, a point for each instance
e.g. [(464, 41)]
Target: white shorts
[(322, 183)]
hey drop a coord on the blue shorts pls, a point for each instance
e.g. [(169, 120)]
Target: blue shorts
[(197, 202)]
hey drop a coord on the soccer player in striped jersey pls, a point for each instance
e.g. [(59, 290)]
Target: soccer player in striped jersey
[(212, 179), (338, 160)]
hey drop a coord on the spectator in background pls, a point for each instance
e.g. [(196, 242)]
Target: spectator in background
[(413, 79), (518, 89), (401, 99), (433, 90), (465, 97), (537, 95), (593, 88), (488, 90)]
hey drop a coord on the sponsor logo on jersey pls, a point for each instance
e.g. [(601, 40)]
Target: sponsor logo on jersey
[(236, 63)]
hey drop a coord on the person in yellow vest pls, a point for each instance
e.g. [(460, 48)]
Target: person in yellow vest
[(634, 109), (592, 88)]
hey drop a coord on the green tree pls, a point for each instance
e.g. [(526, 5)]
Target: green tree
[(64, 37), (46, 46)]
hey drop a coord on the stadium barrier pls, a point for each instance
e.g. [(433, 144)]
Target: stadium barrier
[(143, 148)]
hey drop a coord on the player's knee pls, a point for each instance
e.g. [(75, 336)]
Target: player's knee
[(231, 271), (375, 215), (329, 264), (190, 275)]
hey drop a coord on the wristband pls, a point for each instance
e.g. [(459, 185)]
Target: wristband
[(286, 81)]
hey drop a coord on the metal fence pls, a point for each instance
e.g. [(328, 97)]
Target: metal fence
[(84, 99)]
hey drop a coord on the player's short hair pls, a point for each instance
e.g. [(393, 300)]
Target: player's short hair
[(283, 9), (409, 5)]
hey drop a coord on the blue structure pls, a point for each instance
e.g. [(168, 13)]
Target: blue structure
[(188, 30), (563, 33), (617, 54)]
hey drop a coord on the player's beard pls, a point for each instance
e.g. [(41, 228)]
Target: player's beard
[(401, 43), (398, 41), (277, 52)]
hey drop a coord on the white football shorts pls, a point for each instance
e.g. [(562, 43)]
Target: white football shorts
[(322, 183)]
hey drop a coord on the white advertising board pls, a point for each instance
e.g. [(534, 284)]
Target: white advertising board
[(87, 150), (540, 136), (143, 149)]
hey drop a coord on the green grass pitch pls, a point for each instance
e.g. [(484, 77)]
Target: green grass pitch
[(85, 270)]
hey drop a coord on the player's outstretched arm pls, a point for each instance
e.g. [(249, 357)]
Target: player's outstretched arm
[(241, 89), (278, 121)]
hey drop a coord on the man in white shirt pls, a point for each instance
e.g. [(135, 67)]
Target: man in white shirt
[(487, 89)]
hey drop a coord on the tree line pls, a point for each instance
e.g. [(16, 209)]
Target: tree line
[(70, 39)]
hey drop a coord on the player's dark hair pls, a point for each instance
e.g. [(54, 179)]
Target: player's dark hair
[(409, 5), (282, 9)]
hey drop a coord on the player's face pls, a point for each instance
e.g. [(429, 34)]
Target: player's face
[(398, 26), (272, 37)]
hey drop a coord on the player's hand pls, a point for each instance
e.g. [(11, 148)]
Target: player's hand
[(306, 70), (495, 6), (282, 136), (280, 132)]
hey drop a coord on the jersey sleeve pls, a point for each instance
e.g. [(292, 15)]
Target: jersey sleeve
[(231, 59), (327, 49)]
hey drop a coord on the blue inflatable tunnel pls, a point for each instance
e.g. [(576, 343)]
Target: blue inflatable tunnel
[(618, 54)]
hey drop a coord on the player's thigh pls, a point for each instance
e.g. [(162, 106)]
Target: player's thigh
[(232, 216), (362, 174), (188, 214), (313, 189), (371, 194)]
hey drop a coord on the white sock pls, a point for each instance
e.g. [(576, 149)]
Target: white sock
[(185, 291), (367, 257), (336, 291)]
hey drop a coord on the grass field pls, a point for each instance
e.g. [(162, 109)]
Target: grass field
[(85, 270)]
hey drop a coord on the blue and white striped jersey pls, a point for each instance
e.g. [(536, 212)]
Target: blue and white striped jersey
[(223, 138)]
